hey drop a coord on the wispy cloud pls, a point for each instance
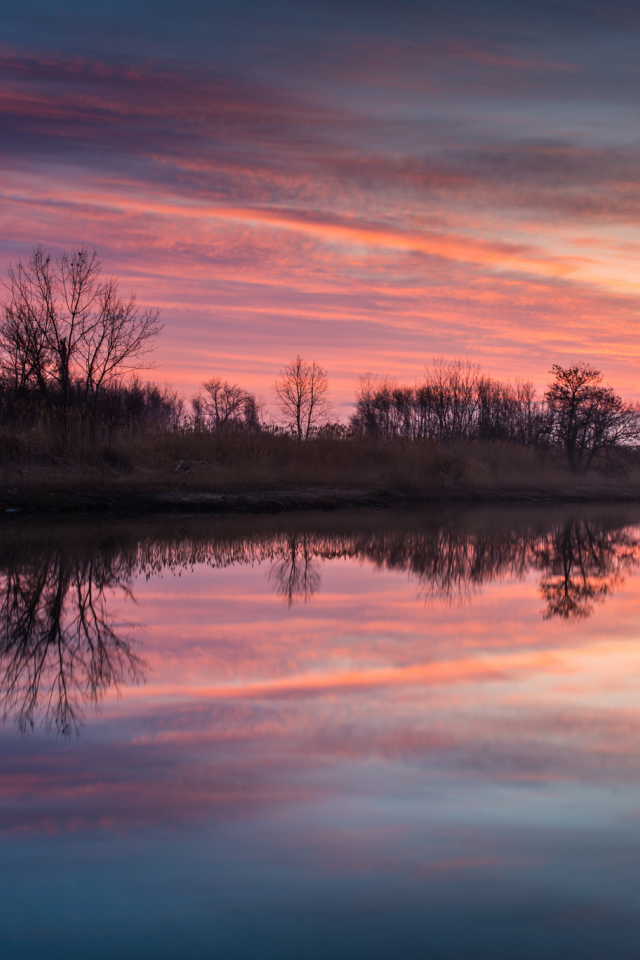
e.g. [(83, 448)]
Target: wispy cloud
[(464, 186)]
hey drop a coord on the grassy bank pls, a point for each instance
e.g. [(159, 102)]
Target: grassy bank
[(128, 469)]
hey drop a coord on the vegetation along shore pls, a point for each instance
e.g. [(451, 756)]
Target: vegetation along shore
[(82, 431)]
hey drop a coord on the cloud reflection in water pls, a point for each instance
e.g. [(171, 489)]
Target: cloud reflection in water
[(60, 646), (441, 731)]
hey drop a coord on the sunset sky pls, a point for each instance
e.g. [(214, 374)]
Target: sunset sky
[(367, 183)]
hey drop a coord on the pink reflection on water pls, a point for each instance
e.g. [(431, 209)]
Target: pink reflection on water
[(251, 706)]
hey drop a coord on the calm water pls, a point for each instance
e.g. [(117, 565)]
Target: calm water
[(407, 734)]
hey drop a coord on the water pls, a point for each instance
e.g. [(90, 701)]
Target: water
[(353, 735)]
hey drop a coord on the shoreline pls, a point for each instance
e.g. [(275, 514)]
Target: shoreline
[(135, 503)]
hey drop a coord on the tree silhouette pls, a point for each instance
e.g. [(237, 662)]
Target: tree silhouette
[(587, 418), (301, 392), (225, 404), (63, 326)]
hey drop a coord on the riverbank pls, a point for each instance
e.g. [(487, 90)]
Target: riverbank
[(137, 503), (200, 474)]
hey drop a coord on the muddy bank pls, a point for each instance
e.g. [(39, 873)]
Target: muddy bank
[(15, 504)]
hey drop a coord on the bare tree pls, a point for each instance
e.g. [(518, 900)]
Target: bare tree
[(301, 394), (225, 403), (115, 342), (62, 325), (454, 402), (453, 387), (586, 418)]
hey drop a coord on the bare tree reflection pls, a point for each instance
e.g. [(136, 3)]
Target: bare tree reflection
[(581, 566), (59, 648), (450, 565), (295, 573), (580, 561)]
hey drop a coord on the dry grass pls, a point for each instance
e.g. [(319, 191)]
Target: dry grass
[(34, 461)]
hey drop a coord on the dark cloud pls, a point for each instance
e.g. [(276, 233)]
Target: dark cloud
[(212, 134)]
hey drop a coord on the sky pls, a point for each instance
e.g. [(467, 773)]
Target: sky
[(369, 184)]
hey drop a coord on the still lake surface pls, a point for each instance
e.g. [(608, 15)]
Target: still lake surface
[(394, 734)]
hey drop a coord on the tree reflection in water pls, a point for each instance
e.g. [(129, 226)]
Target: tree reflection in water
[(580, 561), (295, 574), (61, 649), (581, 565)]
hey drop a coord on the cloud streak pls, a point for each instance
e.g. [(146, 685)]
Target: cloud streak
[(463, 185)]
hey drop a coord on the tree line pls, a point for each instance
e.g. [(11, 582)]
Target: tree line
[(456, 401), (70, 345)]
